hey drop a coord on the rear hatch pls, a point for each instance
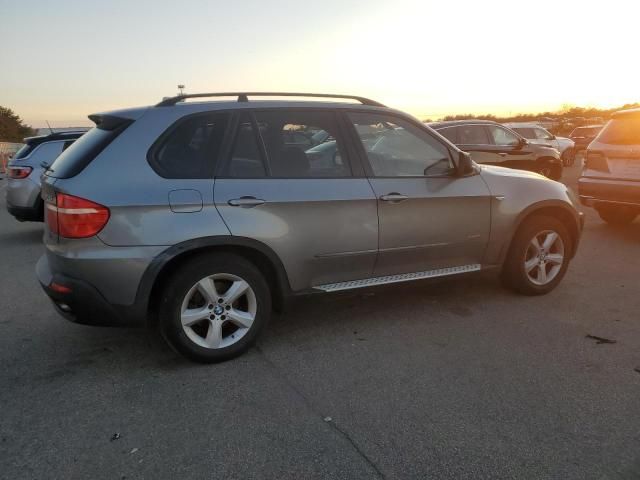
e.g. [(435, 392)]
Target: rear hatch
[(66, 215), (615, 152)]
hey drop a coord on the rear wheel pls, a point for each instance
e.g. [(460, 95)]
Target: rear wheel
[(214, 307), (617, 215), (538, 257)]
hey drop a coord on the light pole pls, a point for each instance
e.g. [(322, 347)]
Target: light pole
[(181, 88)]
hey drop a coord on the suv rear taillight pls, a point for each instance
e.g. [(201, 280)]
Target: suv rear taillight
[(75, 217), (19, 172), (596, 161)]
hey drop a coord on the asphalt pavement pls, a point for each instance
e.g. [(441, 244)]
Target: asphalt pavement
[(452, 379)]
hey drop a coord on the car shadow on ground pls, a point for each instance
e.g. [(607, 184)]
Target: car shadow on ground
[(30, 236)]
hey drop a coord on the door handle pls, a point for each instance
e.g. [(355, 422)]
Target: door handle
[(502, 154), (394, 197), (245, 202)]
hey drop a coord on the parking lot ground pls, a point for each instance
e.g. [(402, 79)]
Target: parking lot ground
[(449, 379)]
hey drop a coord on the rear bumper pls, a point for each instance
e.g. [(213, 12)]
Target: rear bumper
[(80, 302), (27, 214), (595, 191)]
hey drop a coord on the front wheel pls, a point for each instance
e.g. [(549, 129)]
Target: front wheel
[(214, 307), (538, 257), (616, 215)]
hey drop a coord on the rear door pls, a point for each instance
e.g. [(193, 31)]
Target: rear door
[(317, 212), (429, 218)]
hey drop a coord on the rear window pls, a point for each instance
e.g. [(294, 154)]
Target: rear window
[(585, 132), (621, 131), (25, 150), (73, 160)]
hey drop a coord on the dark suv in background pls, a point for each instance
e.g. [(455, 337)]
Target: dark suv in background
[(494, 144), (218, 211), (610, 180), (583, 136)]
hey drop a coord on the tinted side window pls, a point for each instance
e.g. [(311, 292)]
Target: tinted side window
[(246, 158), (67, 144), (450, 133), (291, 139), (502, 136), (191, 148), (472, 135), (397, 148), (526, 132)]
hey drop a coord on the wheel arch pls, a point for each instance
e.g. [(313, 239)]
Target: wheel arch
[(552, 208), (160, 269)]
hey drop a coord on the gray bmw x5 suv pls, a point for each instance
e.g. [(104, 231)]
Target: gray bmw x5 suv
[(202, 217)]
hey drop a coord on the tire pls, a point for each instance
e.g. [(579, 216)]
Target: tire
[(549, 170), (523, 253), (568, 157), (219, 324), (616, 215)]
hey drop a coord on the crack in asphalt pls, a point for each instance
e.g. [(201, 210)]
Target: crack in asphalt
[(307, 401)]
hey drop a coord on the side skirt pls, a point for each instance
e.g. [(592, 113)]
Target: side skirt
[(403, 277)]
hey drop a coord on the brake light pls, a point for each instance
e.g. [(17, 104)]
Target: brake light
[(75, 217), (596, 161), (19, 172)]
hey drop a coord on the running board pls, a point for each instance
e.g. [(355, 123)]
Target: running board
[(403, 277)]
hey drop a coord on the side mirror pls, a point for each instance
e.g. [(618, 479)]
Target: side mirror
[(552, 137), (465, 165)]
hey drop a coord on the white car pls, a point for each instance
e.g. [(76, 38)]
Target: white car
[(536, 134)]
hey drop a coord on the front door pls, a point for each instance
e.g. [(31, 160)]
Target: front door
[(429, 218), (510, 149)]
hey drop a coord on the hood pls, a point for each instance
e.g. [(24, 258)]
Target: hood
[(510, 172)]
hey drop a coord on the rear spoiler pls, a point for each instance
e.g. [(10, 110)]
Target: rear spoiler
[(109, 122)]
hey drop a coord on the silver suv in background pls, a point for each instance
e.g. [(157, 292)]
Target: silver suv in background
[(610, 180), (534, 133), (217, 217), (25, 168)]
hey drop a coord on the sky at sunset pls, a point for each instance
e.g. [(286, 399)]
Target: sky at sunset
[(62, 60)]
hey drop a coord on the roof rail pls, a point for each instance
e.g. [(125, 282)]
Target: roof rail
[(244, 97)]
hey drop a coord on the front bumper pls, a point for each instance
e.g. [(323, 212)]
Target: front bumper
[(80, 302)]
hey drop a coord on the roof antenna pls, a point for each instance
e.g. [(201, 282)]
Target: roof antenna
[(50, 129)]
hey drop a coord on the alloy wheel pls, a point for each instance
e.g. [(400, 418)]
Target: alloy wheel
[(544, 257), (218, 310)]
